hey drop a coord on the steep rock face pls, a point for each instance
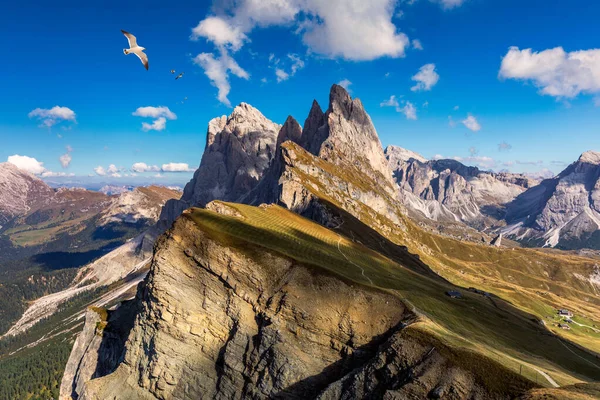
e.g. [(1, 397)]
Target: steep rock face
[(19, 192), (448, 190), (345, 136), (563, 211), (216, 322), (397, 155), (238, 150)]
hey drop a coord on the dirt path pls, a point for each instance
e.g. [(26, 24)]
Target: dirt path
[(548, 378), (347, 259)]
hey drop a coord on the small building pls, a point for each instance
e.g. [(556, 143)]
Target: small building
[(454, 294), (565, 313), (564, 326)]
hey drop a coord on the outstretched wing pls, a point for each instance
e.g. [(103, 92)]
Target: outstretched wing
[(179, 76), (142, 56), (130, 38)]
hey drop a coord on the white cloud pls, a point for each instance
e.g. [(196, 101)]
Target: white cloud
[(473, 151), (471, 123), (50, 174), (218, 69), (426, 78), (158, 124), (155, 112), (555, 72), (348, 29), (417, 45), (69, 148), (597, 101), (220, 31), (176, 167), (407, 108), (281, 75), (456, 108), (437, 157), (112, 169), (345, 83), (160, 113), (28, 164), (50, 117), (451, 121), (297, 63), (99, 170), (391, 102), (143, 167), (65, 160)]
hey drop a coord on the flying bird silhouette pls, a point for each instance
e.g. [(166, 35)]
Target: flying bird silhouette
[(135, 49), (179, 76), (172, 71)]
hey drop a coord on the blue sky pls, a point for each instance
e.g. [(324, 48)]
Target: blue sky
[(541, 105)]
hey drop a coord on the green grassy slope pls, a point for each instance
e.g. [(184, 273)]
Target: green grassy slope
[(488, 327)]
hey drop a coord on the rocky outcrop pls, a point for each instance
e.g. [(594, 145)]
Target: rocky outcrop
[(142, 204), (239, 148), (217, 322), (563, 211)]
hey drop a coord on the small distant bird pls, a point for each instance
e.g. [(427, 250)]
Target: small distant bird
[(135, 49), (172, 71), (179, 76)]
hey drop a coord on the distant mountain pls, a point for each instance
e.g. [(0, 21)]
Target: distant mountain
[(447, 190), (20, 192), (563, 211), (113, 189)]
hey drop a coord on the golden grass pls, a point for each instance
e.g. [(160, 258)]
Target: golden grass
[(488, 327)]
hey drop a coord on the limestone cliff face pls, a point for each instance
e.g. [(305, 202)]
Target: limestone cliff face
[(238, 150), (217, 320)]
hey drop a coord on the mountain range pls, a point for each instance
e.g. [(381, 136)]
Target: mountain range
[(299, 263)]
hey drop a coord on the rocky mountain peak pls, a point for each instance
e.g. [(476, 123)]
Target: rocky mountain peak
[(291, 130), (590, 157), (397, 154)]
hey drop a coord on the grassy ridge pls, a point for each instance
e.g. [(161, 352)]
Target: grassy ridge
[(489, 327)]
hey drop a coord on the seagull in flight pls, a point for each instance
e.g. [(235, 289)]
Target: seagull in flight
[(135, 49), (172, 71), (179, 76)]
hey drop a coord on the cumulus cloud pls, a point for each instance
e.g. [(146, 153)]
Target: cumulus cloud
[(471, 123), (51, 116), (416, 44), (554, 71), (220, 31), (161, 114), (217, 69), (409, 110), (405, 107), (176, 167), (28, 164), (448, 4), (347, 29), (504, 146), (426, 78), (65, 159), (141, 167)]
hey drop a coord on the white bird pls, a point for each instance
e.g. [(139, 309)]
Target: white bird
[(135, 49), (172, 71)]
